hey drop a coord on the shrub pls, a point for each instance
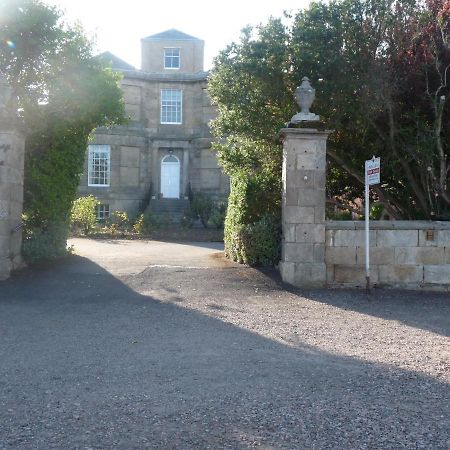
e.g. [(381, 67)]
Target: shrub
[(256, 244), (188, 219), (45, 243), (262, 241), (202, 206), (83, 214), (118, 221), (139, 224), (253, 205), (217, 218), (376, 211), (145, 223)]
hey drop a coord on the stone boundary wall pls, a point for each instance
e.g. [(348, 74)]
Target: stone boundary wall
[(11, 183), (403, 254)]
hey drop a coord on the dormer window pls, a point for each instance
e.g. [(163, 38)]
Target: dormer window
[(171, 58)]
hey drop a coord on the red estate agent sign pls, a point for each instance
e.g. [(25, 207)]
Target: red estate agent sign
[(372, 167)]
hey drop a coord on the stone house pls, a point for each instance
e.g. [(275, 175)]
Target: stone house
[(164, 152)]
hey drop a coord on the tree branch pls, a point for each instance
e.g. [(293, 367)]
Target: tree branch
[(383, 196), (341, 205)]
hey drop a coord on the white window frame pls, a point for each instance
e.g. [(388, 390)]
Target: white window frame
[(178, 108), (172, 58), (103, 211), (98, 149)]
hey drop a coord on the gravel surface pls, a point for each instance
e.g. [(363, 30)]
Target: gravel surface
[(218, 357)]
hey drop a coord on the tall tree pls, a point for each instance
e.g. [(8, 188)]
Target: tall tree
[(248, 85), (381, 72), (64, 93), (376, 81)]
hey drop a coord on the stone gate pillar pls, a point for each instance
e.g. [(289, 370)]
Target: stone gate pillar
[(303, 207), (303, 204), (11, 182)]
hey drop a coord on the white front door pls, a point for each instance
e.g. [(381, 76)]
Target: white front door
[(170, 177)]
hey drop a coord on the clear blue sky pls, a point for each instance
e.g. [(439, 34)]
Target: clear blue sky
[(119, 25)]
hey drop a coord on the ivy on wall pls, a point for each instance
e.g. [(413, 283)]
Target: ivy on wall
[(64, 93)]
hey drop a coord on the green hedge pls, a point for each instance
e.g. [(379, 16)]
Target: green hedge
[(53, 165), (253, 226), (45, 242)]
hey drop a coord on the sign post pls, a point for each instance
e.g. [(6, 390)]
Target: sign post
[(372, 169)]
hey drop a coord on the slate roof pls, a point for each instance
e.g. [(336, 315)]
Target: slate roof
[(172, 35), (115, 61)]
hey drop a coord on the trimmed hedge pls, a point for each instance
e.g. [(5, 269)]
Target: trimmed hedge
[(253, 226), (45, 242), (53, 165)]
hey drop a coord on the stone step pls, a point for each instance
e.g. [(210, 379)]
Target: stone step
[(170, 210), (169, 205)]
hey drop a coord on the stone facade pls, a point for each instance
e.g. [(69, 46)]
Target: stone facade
[(11, 183), (138, 149), (191, 51)]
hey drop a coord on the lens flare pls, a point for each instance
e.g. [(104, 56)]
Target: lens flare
[(10, 44)]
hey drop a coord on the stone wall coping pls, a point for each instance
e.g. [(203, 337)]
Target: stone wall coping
[(175, 77), (387, 225)]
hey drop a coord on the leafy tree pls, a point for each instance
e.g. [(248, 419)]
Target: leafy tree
[(64, 93), (374, 94), (381, 72), (248, 85)]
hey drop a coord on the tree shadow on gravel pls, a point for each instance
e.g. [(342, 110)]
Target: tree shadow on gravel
[(88, 362), (419, 309)]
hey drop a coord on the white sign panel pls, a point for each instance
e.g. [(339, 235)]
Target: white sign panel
[(372, 171)]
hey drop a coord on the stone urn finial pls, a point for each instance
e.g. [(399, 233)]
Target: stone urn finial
[(304, 96)]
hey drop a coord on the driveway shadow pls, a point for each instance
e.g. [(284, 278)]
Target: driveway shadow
[(419, 309), (88, 362)]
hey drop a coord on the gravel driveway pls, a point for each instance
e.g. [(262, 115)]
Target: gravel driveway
[(112, 353)]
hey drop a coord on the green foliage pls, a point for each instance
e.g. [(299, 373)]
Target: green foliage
[(257, 243), (380, 69), (139, 225), (251, 202), (118, 221), (248, 86), (83, 214), (340, 215), (145, 223), (376, 211), (45, 242), (64, 94), (188, 219), (218, 215), (202, 206)]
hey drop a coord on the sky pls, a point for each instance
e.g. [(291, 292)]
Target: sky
[(118, 26)]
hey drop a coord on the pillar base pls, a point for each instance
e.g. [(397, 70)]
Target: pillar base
[(304, 275)]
